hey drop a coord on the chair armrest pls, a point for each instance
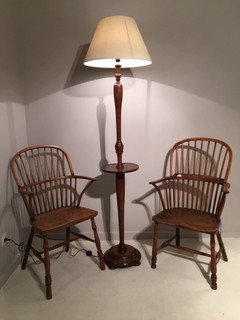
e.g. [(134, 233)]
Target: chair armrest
[(87, 185), (66, 189), (195, 177), (27, 197), (83, 177), (178, 189), (22, 190), (226, 187), (155, 182)]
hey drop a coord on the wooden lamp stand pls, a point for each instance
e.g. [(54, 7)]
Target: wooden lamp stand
[(121, 255), (115, 38)]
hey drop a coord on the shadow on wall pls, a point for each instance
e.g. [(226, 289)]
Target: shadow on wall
[(82, 81), (147, 232)]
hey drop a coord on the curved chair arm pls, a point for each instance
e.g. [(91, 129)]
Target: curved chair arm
[(27, 199), (178, 189), (225, 191), (195, 177), (66, 190), (91, 180), (226, 187), (82, 177)]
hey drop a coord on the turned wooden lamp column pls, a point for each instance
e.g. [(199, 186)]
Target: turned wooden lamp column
[(121, 255), (118, 43)]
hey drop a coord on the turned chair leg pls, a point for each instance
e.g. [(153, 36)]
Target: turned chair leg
[(67, 239), (154, 248), (177, 237), (30, 239), (213, 263), (98, 245), (223, 251), (48, 279)]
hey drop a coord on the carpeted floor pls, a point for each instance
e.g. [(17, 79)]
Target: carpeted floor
[(178, 289)]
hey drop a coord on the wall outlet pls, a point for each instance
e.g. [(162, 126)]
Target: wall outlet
[(2, 237)]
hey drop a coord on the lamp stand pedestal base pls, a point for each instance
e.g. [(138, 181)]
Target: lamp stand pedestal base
[(117, 258), (121, 255)]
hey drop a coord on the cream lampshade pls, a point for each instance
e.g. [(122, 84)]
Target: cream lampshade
[(117, 38)]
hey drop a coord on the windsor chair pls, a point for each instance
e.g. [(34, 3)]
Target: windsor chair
[(192, 195), (52, 194)]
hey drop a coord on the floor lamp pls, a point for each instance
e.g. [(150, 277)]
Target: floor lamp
[(117, 43)]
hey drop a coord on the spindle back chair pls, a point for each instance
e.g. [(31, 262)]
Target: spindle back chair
[(52, 194), (190, 196), (201, 156)]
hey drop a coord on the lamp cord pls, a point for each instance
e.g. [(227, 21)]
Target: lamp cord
[(22, 248)]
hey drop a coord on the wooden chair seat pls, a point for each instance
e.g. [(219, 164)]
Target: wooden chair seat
[(62, 218), (195, 220)]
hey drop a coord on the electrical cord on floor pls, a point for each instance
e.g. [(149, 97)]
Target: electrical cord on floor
[(22, 248), (20, 245), (87, 252)]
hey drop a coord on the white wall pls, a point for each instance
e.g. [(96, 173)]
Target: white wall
[(12, 132), (191, 89)]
